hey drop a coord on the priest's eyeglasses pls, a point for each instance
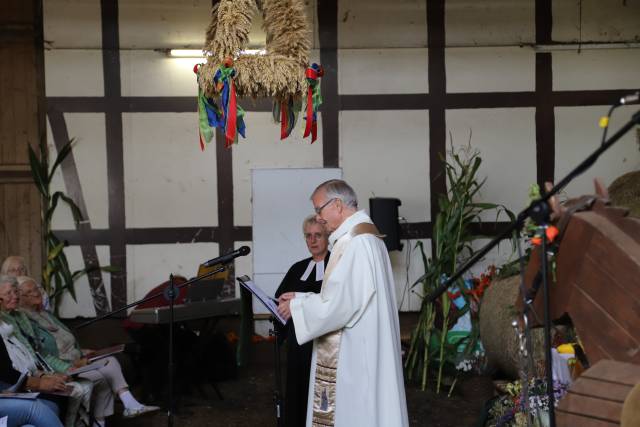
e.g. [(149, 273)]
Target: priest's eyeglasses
[(318, 210)]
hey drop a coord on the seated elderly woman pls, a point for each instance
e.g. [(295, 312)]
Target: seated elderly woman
[(19, 364), (37, 412), (61, 349), (16, 266), (29, 412)]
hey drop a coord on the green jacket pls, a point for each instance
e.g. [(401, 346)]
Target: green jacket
[(36, 339)]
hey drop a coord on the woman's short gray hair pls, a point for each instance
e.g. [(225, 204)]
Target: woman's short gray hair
[(10, 260), (309, 221), (339, 189), (11, 280), (21, 280)]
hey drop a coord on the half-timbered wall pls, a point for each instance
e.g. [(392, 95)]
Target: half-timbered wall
[(405, 80)]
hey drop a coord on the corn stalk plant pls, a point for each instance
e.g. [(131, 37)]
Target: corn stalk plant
[(57, 276), (452, 242)]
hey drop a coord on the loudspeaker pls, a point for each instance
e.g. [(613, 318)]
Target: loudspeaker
[(384, 213)]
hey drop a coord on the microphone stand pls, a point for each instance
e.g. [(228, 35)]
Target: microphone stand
[(171, 294), (538, 210), (277, 394)]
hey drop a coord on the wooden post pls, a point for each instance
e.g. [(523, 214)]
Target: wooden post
[(22, 122)]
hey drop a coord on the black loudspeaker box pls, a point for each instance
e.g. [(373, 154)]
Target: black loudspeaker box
[(384, 213)]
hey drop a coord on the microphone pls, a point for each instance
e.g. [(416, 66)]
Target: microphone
[(224, 259), (630, 99)]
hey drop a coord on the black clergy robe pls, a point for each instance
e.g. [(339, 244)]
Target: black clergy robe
[(298, 356)]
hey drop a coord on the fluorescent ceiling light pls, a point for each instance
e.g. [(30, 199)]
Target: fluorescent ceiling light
[(186, 53), (197, 53)]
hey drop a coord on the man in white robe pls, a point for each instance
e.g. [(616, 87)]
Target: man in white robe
[(356, 369)]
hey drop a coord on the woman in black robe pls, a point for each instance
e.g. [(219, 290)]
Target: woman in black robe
[(303, 276)]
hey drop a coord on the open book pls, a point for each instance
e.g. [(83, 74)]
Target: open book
[(89, 367), (270, 303), (105, 352)]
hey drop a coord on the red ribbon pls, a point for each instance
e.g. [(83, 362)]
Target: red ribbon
[(308, 127), (283, 120), (232, 112)]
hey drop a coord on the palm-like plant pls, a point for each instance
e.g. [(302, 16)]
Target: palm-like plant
[(452, 238), (57, 277)]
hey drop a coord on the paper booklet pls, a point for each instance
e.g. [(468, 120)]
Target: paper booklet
[(270, 303), (90, 367), (105, 352), (12, 395)]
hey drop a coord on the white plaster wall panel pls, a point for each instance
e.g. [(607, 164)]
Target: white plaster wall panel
[(498, 256), (595, 20), (163, 23), (90, 155), (73, 72), (150, 265), (407, 268), (263, 149), (505, 139), (578, 135), (380, 23), (596, 69), (243, 264), (481, 23), (169, 182), (72, 23), (151, 73), (83, 306), (175, 24), (382, 71), (386, 154), (312, 15), (490, 69)]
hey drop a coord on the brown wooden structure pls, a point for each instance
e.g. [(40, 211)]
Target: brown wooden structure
[(598, 266), (596, 398), (22, 122), (597, 270)]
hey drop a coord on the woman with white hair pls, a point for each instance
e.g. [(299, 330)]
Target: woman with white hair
[(15, 266), (60, 347), (303, 276), (19, 359)]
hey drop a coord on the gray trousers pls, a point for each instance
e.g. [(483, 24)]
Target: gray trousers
[(107, 382)]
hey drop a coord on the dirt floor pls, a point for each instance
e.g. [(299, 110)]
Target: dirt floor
[(248, 401)]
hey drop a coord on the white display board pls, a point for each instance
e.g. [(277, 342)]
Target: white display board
[(280, 203)]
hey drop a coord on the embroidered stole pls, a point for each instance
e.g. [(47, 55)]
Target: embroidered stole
[(328, 345)]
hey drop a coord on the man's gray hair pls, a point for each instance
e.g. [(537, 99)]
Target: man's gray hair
[(339, 189), (4, 278)]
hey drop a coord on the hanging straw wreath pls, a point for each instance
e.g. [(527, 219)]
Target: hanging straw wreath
[(281, 73)]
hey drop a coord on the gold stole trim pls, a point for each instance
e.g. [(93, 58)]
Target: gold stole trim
[(328, 345)]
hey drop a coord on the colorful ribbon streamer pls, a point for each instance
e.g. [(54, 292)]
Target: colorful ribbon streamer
[(286, 113), (208, 112), (314, 100), (232, 118)]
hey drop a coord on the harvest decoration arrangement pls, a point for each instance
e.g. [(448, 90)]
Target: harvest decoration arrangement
[(283, 73)]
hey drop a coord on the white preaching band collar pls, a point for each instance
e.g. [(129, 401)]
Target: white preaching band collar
[(319, 265), (348, 224)]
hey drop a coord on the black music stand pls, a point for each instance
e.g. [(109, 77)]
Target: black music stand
[(277, 322), (171, 293)]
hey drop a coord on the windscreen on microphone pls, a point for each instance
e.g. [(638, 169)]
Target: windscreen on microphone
[(242, 251), (632, 98)]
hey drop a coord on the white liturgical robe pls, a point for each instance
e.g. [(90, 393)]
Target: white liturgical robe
[(358, 297)]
